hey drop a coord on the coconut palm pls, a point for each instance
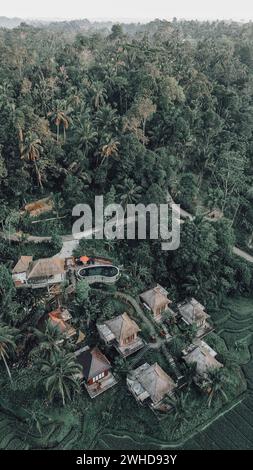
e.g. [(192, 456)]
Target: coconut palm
[(49, 341), (130, 193), (218, 381), (98, 94), (60, 375), (31, 151), (193, 284), (109, 150), (32, 148), (182, 410), (139, 271), (143, 273), (85, 136), (106, 118), (7, 344), (60, 117), (196, 285)]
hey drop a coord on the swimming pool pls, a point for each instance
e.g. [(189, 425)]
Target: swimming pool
[(99, 270)]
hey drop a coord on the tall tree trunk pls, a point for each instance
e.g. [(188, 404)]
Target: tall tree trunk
[(7, 368), (21, 141), (38, 175)]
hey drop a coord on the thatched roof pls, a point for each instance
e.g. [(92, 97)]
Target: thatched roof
[(46, 267), (156, 297), (204, 359), (62, 325), (22, 264), (62, 313), (122, 327), (192, 311), (93, 362), (151, 381), (39, 207)]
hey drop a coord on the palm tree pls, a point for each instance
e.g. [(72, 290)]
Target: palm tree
[(109, 150), (106, 118), (85, 136), (130, 193), (61, 119), (7, 344), (98, 94), (60, 375), (218, 380), (182, 408), (139, 271), (32, 148), (31, 151), (49, 341), (143, 273), (193, 284), (90, 312), (197, 286)]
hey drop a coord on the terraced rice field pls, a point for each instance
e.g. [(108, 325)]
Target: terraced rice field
[(17, 434)]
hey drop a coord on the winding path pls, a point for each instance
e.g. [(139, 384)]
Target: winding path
[(242, 254), (237, 251), (70, 242)]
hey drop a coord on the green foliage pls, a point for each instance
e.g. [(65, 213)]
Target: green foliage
[(56, 242), (50, 341), (8, 307), (59, 375), (8, 337), (82, 292), (130, 113)]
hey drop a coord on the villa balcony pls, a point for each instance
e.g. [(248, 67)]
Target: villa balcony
[(130, 348), (204, 330), (99, 387)]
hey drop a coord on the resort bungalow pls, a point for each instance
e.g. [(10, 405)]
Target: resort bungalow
[(156, 300), (122, 332), (149, 384), (19, 272), (204, 358), (193, 313), (96, 371), (40, 273), (59, 318)]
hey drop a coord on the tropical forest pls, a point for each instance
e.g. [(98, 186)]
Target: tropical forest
[(137, 113)]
